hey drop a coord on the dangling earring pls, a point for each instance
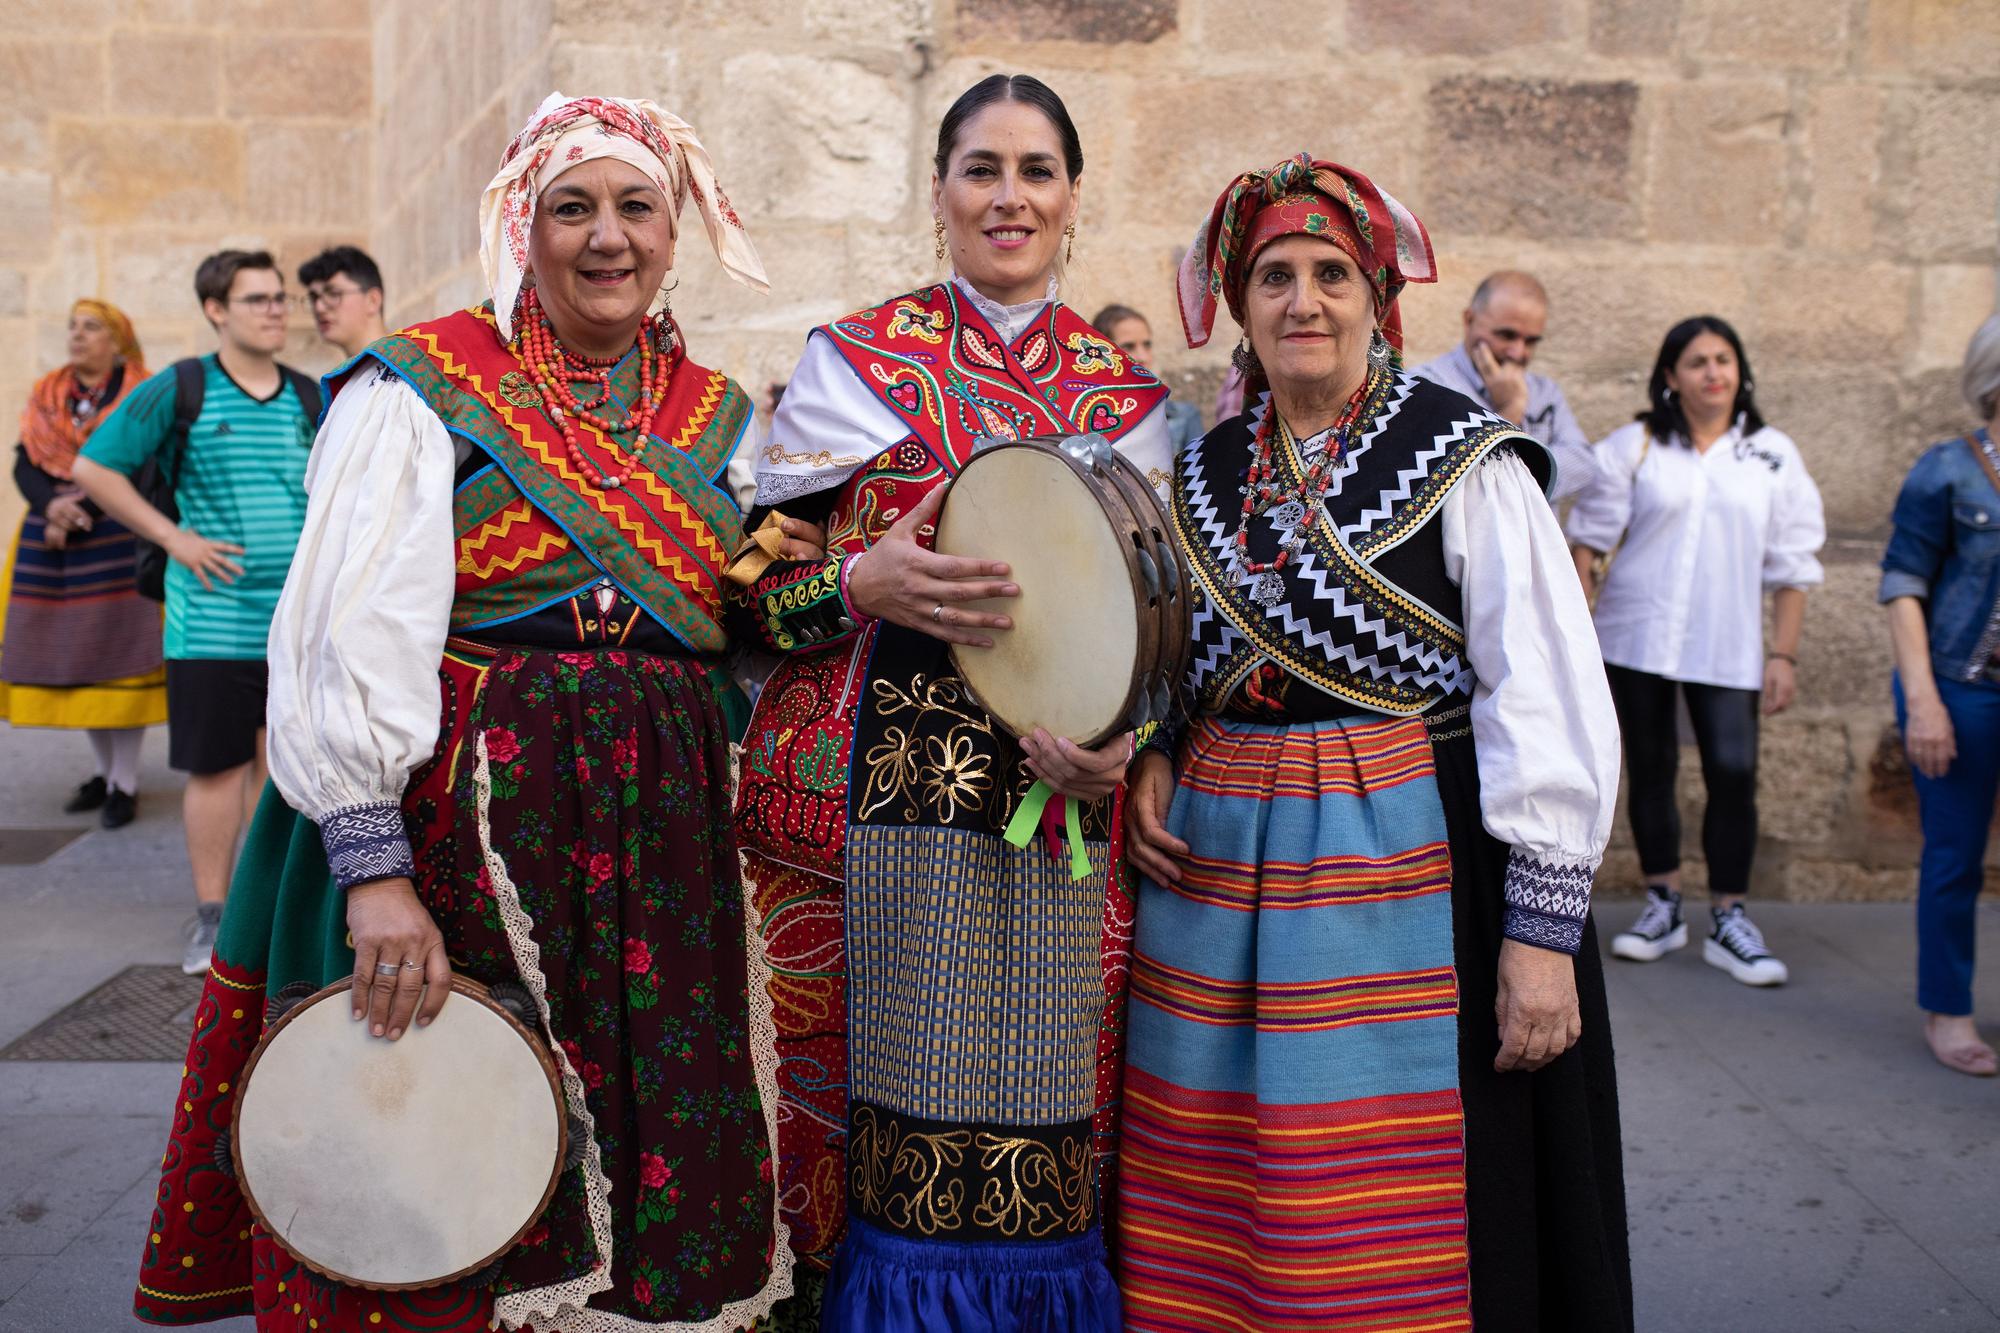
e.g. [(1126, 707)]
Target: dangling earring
[(663, 319), (1069, 241), (1667, 396), (937, 242), (1378, 351), (1244, 358)]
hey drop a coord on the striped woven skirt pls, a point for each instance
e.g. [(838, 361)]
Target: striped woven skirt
[(80, 648), (1294, 1151)]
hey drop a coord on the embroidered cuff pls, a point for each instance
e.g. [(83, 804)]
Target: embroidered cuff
[(1547, 902), (804, 606), (1900, 583), (847, 564), (366, 843)]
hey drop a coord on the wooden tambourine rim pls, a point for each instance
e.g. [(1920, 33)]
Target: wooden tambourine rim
[(1175, 631), (472, 991), (1098, 492)]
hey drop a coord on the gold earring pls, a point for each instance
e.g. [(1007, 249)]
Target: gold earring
[(937, 232), (1069, 241)]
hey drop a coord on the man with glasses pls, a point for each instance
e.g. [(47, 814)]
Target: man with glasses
[(231, 432), (344, 289)]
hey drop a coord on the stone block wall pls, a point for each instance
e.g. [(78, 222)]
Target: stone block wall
[(137, 136), (1823, 173)]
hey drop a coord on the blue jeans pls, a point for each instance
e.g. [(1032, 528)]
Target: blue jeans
[(1957, 811)]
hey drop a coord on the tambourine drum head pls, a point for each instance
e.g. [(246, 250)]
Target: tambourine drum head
[(1068, 664), (397, 1163)]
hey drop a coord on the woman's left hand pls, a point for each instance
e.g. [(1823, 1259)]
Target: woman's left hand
[(803, 540), (1536, 1006), (1781, 685), (1088, 775)]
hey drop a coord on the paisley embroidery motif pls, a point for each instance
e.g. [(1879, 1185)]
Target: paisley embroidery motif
[(980, 350), (1033, 352)]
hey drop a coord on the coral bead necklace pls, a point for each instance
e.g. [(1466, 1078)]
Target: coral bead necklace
[(557, 372), (1260, 490)]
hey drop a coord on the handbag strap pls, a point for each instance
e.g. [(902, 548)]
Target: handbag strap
[(1985, 462)]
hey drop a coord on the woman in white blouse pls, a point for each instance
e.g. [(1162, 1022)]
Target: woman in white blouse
[(1714, 508)]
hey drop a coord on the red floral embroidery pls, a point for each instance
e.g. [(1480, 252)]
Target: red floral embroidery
[(638, 956)]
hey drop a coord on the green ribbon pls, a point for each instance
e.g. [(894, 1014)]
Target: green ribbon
[(1021, 828)]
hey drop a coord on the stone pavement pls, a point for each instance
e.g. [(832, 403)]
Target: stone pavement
[(1796, 1162)]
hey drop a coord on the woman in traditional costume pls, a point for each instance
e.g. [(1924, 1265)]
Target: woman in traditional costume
[(524, 509), (947, 1001), (81, 645), (1369, 1079)]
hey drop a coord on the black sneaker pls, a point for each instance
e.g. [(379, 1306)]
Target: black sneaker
[(1658, 931), (86, 798), (120, 809), (1737, 947)]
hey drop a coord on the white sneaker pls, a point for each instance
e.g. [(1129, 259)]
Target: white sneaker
[(1737, 947), (207, 924), (1658, 931)]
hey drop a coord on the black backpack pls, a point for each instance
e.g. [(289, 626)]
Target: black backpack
[(159, 479)]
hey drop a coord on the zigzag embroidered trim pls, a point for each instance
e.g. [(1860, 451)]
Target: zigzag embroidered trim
[(366, 842), (563, 1308), (1547, 901)]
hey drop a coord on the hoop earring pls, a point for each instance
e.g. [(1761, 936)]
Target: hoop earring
[(1244, 358), (1069, 241), (1667, 396), (1379, 350), (937, 238)]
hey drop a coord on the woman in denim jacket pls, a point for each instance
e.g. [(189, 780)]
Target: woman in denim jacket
[(1941, 584)]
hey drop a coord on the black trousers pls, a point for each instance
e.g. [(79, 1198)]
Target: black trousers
[(1725, 732)]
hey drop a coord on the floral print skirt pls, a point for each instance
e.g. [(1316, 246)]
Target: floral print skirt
[(573, 839)]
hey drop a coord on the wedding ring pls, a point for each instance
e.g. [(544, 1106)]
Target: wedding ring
[(937, 613), (387, 969), (413, 967)]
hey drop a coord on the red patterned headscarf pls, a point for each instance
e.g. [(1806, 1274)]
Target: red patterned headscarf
[(1303, 196), (567, 131)]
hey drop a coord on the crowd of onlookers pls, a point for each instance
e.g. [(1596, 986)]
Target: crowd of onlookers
[(187, 487)]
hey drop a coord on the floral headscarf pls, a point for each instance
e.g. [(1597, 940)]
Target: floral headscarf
[(1306, 196), (566, 131), (52, 433)]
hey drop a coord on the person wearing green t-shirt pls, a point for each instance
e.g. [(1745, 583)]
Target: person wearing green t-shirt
[(239, 481)]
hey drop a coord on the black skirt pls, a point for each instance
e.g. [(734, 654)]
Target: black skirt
[(1544, 1164)]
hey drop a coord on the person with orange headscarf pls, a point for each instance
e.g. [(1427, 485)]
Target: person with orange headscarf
[(1369, 1081), (81, 647)]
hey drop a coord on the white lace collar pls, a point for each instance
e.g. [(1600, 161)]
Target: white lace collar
[(1009, 321)]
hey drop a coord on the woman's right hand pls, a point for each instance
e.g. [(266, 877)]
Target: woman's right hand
[(390, 926), (1928, 737), (899, 581), (66, 512), (1149, 795), (209, 560)]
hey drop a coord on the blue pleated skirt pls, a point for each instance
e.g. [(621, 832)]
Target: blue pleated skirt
[(884, 1283)]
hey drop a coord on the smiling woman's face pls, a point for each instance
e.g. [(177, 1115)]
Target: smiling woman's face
[(601, 246), (1309, 315), (1005, 200)]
